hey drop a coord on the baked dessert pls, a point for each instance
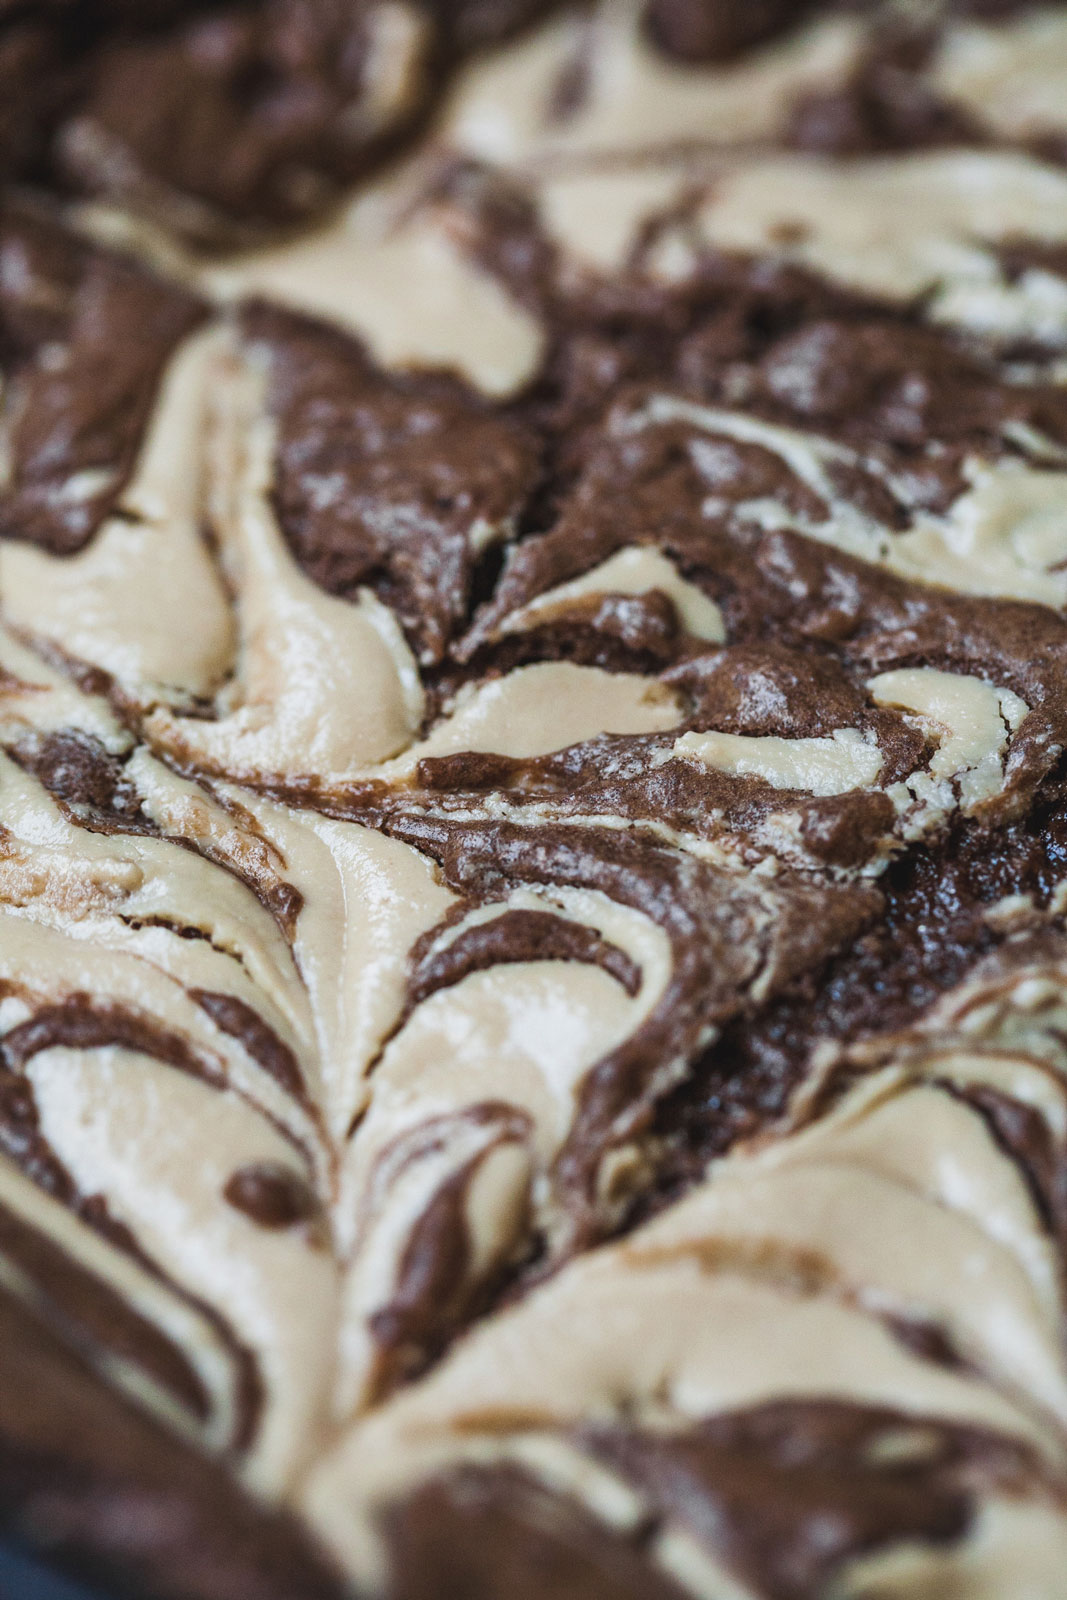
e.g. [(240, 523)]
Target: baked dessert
[(533, 695)]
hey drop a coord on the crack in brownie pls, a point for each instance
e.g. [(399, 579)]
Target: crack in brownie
[(533, 798)]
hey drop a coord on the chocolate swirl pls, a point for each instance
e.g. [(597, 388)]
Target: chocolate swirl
[(532, 846)]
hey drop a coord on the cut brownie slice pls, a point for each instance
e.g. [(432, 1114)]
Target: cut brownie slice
[(533, 860)]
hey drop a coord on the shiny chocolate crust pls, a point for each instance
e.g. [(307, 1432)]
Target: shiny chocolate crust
[(533, 859)]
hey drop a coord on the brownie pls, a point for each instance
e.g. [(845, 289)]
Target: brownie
[(533, 798)]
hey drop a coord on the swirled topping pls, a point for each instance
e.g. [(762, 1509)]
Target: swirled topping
[(533, 710)]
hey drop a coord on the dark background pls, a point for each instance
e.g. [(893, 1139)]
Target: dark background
[(23, 1579)]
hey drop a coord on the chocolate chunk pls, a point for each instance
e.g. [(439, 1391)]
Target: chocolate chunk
[(272, 1195)]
